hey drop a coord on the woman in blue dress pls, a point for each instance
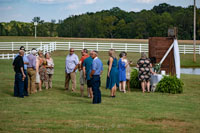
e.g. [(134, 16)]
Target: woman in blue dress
[(122, 72), (112, 77)]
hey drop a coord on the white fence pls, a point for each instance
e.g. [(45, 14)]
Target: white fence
[(45, 47), (51, 46)]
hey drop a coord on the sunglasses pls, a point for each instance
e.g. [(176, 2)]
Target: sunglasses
[(71, 51)]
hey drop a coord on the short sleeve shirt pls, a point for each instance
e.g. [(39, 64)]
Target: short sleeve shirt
[(87, 64), (97, 66), (18, 63), (25, 59), (82, 60)]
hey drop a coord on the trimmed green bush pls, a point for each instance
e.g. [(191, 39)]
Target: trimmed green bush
[(170, 84), (134, 81)]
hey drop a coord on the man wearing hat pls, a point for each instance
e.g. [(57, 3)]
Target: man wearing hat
[(32, 71)]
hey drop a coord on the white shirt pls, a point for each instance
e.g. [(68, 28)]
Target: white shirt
[(71, 62)]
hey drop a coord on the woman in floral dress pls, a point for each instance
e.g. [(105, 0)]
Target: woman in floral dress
[(42, 69), (145, 70)]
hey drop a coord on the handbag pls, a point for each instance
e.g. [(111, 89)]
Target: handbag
[(37, 78)]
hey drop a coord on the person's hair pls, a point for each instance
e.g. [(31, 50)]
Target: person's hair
[(85, 50), (46, 54), (96, 52), (122, 54), (22, 48), (91, 52), (113, 54), (153, 60), (34, 51), (125, 53), (40, 52), (143, 55), (21, 52), (71, 49)]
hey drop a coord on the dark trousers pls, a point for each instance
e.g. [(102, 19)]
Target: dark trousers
[(95, 88), (19, 86), (26, 84)]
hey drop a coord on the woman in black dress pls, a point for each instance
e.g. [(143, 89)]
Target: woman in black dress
[(145, 70)]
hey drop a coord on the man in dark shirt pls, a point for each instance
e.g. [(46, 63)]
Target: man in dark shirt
[(18, 65)]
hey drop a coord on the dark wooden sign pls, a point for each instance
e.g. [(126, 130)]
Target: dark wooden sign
[(158, 46)]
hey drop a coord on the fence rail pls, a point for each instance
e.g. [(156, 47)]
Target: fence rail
[(99, 46)]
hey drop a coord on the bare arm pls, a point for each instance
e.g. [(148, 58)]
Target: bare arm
[(127, 64), (37, 65), (92, 72), (76, 67), (84, 73), (22, 70), (101, 72), (110, 65), (79, 65), (151, 69)]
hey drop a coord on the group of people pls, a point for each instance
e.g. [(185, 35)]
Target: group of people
[(91, 68), (31, 72)]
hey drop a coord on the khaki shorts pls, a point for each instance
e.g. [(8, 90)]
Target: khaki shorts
[(82, 79)]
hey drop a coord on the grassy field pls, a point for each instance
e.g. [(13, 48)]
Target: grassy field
[(56, 110)]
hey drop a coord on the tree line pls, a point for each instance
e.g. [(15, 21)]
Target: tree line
[(113, 23)]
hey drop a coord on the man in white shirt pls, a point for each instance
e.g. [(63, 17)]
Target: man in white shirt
[(70, 69)]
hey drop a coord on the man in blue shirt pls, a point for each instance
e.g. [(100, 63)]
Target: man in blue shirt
[(86, 72), (96, 71), (26, 62)]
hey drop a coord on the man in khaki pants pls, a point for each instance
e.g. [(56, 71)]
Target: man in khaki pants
[(31, 69), (71, 64)]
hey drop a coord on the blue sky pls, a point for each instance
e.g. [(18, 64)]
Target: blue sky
[(25, 10)]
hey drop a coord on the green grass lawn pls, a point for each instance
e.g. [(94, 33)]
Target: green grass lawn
[(56, 110)]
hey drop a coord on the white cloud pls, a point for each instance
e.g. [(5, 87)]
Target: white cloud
[(135, 9), (78, 3), (72, 6), (145, 1), (50, 1), (6, 8), (90, 2)]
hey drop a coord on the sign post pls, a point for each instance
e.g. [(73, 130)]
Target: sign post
[(35, 24), (194, 45)]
